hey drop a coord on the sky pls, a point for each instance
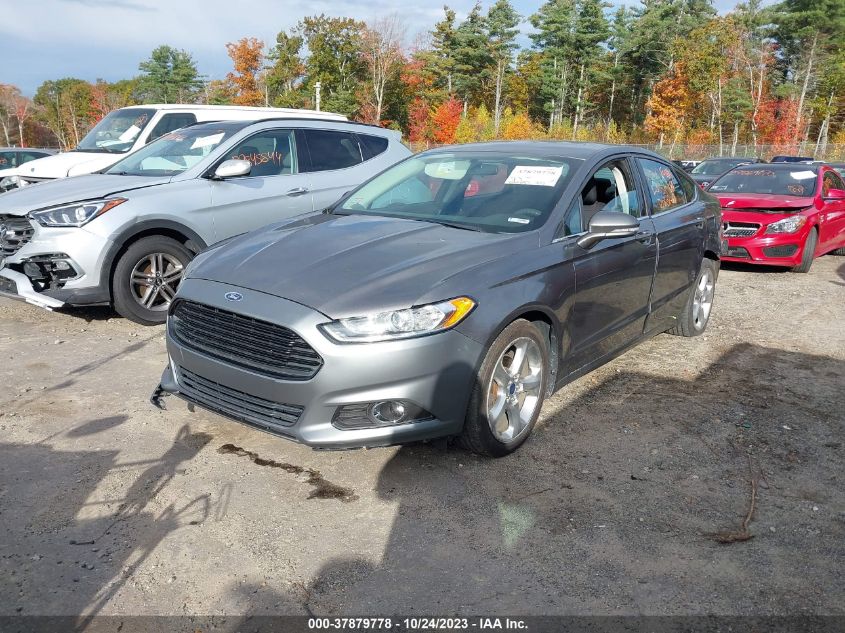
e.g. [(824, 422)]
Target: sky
[(91, 39)]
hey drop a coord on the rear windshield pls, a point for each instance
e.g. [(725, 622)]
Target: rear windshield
[(482, 191), (797, 181)]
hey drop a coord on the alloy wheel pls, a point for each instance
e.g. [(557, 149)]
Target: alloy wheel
[(513, 394), (702, 300), (155, 279)]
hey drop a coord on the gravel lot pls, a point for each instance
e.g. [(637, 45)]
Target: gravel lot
[(616, 506)]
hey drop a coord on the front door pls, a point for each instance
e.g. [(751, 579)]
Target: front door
[(273, 190), (613, 278)]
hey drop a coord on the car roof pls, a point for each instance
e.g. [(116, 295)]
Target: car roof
[(239, 125), (730, 158), (28, 149), (259, 111), (548, 149)]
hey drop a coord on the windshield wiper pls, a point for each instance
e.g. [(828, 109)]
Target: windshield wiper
[(454, 225)]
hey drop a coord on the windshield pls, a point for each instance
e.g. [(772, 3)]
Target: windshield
[(173, 153), (782, 182), (483, 191), (716, 167), (116, 132)]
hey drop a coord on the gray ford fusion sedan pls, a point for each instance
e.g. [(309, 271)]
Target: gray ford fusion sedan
[(447, 296)]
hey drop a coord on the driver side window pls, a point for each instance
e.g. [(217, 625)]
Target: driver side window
[(611, 188)]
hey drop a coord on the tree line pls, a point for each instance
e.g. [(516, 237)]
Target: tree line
[(669, 72)]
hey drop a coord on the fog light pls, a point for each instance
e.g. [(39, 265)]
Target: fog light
[(389, 412), (378, 414)]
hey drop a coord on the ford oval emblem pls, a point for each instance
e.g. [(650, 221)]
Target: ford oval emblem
[(233, 296)]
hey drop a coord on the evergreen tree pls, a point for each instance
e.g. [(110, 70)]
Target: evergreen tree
[(169, 76)]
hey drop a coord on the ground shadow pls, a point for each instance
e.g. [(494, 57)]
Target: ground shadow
[(615, 505), (39, 522), (90, 313)]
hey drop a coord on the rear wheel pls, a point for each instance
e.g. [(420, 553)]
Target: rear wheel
[(509, 391), (839, 251), (147, 277), (696, 315), (808, 254)]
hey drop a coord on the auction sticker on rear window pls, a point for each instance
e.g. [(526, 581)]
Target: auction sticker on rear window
[(538, 176)]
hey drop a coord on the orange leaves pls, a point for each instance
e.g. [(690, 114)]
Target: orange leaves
[(669, 103), (247, 56), (445, 120)]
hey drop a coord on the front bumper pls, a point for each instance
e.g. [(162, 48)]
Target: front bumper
[(770, 250), (435, 372), (87, 252)]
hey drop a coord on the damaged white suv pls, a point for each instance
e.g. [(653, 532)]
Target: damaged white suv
[(125, 236)]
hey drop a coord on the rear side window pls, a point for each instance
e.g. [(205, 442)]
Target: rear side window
[(372, 146), (171, 122), (331, 149), (664, 188)]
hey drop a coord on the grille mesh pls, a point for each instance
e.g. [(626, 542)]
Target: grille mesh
[(18, 231), (739, 229), (236, 404), (265, 348)]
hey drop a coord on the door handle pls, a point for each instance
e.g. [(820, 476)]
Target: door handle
[(645, 236), (298, 191)]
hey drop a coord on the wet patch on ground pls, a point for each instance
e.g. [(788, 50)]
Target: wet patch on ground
[(322, 489)]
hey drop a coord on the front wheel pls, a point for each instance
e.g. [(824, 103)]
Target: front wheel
[(509, 391), (147, 277), (696, 315), (808, 254)]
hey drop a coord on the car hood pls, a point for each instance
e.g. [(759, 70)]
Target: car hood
[(775, 202), (351, 265), (92, 187), (66, 164)]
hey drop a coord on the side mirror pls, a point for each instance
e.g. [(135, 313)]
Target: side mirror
[(232, 169), (608, 225), (835, 194)]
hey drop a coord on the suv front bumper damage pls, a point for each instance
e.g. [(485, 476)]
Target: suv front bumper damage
[(15, 285)]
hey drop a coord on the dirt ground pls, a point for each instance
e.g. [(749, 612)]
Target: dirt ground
[(615, 506)]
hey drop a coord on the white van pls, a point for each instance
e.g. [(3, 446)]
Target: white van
[(127, 129)]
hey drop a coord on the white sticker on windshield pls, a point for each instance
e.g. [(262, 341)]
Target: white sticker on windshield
[(718, 187), (129, 134), (520, 220), (802, 175), (205, 141), (538, 176)]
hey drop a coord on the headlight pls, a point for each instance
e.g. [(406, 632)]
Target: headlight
[(787, 225), (10, 182), (399, 324), (75, 214)]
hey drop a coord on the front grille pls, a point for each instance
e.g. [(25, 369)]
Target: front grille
[(265, 348), (269, 415), (739, 229), (15, 231), (780, 251), (738, 251)]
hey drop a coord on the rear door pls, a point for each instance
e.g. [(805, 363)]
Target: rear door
[(336, 164), (613, 278), (678, 216), (274, 190)]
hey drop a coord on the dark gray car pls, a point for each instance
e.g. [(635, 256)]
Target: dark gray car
[(447, 296)]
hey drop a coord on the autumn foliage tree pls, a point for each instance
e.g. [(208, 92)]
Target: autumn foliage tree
[(668, 105), (247, 56), (445, 119)]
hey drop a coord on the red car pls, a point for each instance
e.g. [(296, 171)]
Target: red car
[(781, 214)]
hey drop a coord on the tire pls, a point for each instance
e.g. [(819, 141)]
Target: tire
[(495, 381), (157, 259), (809, 253), (839, 251), (696, 315)]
